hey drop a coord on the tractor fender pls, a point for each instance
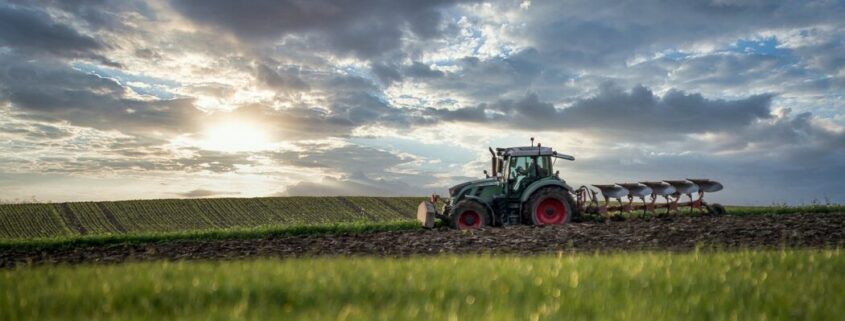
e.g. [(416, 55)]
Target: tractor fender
[(483, 202), (540, 184)]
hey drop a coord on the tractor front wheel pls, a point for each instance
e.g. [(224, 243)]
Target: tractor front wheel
[(549, 206), (469, 214)]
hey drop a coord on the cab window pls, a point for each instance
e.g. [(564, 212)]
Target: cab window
[(520, 168), (544, 166)]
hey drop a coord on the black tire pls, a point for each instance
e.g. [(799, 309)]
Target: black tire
[(469, 214), (549, 206), (716, 209)]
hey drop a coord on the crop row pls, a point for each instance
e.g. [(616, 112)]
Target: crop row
[(168, 215), (30, 221)]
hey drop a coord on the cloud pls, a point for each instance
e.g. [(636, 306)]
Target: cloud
[(365, 29), (613, 112), (386, 73), (36, 131), (341, 159), (205, 193), (283, 80), (140, 160), (345, 103), (420, 70), (800, 141), (478, 79), (94, 14), (600, 33), (355, 170), (51, 91), (35, 33), (352, 186)]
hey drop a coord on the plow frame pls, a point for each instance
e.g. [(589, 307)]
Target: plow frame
[(609, 199)]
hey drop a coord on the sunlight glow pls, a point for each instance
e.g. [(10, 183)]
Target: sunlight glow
[(236, 136)]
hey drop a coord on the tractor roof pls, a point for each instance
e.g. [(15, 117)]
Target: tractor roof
[(532, 151), (528, 151)]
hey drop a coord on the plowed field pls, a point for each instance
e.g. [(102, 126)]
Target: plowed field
[(681, 233)]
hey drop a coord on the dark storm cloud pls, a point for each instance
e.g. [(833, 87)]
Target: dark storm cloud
[(420, 70), (598, 33), (802, 141), (52, 91), (33, 32), (362, 28), (494, 77), (95, 14), (615, 112), (284, 80), (387, 74)]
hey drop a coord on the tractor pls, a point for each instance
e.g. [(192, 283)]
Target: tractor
[(523, 188)]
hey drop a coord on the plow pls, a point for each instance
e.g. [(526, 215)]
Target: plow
[(522, 188)]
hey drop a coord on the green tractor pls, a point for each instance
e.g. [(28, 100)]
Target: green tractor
[(522, 188)]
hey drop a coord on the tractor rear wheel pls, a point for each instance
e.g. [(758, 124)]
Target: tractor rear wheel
[(469, 214), (549, 206)]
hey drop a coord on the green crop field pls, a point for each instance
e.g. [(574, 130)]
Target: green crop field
[(56, 220), (109, 222), (745, 285)]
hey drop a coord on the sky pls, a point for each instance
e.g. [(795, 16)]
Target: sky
[(116, 99)]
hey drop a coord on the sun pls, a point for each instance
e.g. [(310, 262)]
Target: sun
[(235, 136)]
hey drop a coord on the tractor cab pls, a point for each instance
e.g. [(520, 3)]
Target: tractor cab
[(524, 165)]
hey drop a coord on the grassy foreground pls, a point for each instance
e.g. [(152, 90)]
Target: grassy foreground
[(747, 285)]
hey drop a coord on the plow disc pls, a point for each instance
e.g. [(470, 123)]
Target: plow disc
[(648, 193)]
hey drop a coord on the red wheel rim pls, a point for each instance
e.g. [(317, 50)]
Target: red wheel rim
[(550, 212), (469, 219)]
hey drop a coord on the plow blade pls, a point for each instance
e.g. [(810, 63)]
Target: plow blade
[(612, 191), (684, 187), (426, 214), (636, 189), (660, 188), (707, 185)]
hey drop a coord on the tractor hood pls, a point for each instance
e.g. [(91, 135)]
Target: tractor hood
[(481, 182)]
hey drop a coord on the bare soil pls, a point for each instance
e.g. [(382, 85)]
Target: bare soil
[(681, 233)]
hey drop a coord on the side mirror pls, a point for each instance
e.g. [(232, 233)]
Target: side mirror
[(485, 174), (556, 174)]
